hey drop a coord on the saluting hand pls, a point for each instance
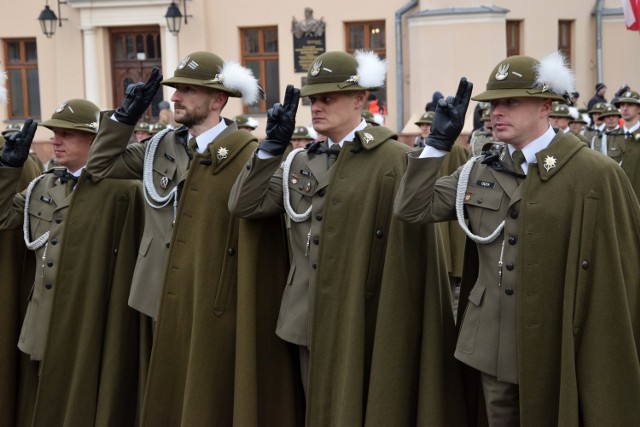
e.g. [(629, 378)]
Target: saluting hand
[(16, 146), (448, 120), (137, 99), (281, 122)]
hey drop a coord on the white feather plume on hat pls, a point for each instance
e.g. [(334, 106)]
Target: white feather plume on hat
[(3, 88), (371, 69), (554, 72), (240, 79)]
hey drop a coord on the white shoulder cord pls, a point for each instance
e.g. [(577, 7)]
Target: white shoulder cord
[(463, 181), (147, 177), (40, 241), (286, 166)]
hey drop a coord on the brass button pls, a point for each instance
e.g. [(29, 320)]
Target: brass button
[(508, 291)]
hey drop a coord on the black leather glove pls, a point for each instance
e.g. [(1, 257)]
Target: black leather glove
[(449, 117), (16, 146), (281, 122), (137, 98)]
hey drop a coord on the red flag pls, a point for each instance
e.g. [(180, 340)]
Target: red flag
[(631, 9)]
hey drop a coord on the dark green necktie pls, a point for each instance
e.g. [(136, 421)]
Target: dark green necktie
[(518, 160), (334, 152), (193, 146)]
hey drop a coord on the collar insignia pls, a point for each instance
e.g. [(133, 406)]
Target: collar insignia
[(315, 68), (549, 163), (502, 72), (367, 137), (222, 153)]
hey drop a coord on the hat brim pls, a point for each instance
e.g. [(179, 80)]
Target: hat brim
[(627, 101), (57, 123), (492, 94), (174, 81), (332, 87)]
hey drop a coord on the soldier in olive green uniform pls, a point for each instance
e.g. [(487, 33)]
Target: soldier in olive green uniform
[(545, 292), (483, 136), (611, 141), (215, 315), (358, 278), (85, 344), (597, 125), (629, 104), (301, 137), (424, 123), (245, 122), (560, 119), (372, 119)]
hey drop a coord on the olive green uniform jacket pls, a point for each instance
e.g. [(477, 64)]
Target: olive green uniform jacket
[(94, 345), (216, 360), (453, 236), (380, 327), (574, 224), (16, 278)]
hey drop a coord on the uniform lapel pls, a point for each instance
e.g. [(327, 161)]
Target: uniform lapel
[(58, 194), (319, 168)]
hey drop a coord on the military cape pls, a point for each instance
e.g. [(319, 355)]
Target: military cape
[(216, 360), (578, 292), (96, 350)]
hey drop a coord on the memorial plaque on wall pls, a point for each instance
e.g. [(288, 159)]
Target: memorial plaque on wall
[(305, 50)]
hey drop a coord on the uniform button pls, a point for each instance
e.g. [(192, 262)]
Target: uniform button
[(231, 251), (54, 241), (509, 266), (167, 244), (508, 291), (319, 217), (58, 220), (512, 240), (49, 263), (514, 214), (379, 234), (248, 167), (480, 201), (301, 188), (48, 286), (585, 264), (321, 193), (314, 266), (316, 240)]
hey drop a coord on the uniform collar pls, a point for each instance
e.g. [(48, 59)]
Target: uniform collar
[(532, 148), (206, 137), (349, 136)]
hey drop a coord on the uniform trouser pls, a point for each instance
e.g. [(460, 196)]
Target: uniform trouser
[(303, 352), (502, 400)]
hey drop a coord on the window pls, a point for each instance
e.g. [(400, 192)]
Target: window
[(369, 36), (565, 29), (23, 87), (513, 37), (260, 54)]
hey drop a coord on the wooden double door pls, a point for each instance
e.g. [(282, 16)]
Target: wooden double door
[(134, 53)]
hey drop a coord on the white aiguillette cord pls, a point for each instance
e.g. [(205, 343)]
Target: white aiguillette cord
[(463, 181), (286, 167), (151, 195)]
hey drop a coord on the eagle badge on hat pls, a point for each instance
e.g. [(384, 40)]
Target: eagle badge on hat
[(503, 72), (549, 163), (222, 153), (315, 68), (61, 107), (183, 63)]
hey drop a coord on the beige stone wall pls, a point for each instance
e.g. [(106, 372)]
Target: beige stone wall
[(437, 50)]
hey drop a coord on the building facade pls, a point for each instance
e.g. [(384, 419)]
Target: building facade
[(102, 45)]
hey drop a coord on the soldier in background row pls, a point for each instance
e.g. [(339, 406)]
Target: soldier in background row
[(483, 136), (629, 104), (610, 141)]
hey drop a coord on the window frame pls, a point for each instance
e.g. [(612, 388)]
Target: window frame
[(262, 57), (23, 66)]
